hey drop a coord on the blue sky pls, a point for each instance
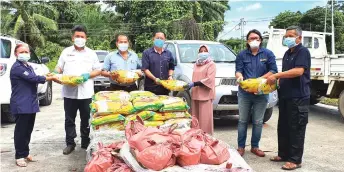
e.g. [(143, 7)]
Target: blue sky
[(260, 13)]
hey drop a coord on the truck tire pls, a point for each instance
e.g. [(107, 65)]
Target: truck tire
[(268, 114), (186, 96), (314, 100), (341, 104), (48, 97)]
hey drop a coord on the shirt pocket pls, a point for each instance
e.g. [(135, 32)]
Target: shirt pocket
[(165, 62), (247, 63), (303, 114), (113, 66), (88, 64)]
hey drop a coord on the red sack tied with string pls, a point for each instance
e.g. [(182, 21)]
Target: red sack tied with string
[(214, 152)]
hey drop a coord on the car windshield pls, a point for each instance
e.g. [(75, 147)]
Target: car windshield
[(102, 55), (221, 54)]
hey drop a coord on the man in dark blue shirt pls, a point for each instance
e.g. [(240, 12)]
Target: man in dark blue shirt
[(294, 95), (158, 64), (254, 62)]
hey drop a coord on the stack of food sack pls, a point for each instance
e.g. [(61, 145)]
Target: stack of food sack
[(258, 86)]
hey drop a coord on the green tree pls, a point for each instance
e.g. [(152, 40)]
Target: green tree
[(286, 19)]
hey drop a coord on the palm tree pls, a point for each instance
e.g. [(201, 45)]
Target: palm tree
[(28, 23)]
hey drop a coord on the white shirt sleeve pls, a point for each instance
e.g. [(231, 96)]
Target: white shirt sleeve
[(61, 61)]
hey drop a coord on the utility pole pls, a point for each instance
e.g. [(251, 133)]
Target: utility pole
[(242, 23), (332, 45)]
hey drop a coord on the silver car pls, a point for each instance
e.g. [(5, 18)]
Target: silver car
[(226, 102), (101, 83)]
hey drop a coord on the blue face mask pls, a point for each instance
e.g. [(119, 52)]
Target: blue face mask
[(203, 56), (159, 43), (290, 42), (24, 57)]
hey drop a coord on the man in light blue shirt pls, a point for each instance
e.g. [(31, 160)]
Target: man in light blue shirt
[(122, 59)]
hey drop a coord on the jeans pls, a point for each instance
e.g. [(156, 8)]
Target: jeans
[(291, 129), (257, 105)]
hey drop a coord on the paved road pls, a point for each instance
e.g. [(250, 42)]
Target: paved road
[(324, 148)]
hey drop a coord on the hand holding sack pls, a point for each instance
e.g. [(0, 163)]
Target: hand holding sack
[(174, 85), (257, 86), (124, 76), (69, 79)]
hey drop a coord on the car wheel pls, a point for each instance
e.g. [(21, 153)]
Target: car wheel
[(48, 97), (341, 104), (186, 96), (268, 114)]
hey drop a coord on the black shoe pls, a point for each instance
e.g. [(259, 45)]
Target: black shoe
[(69, 149), (85, 143)]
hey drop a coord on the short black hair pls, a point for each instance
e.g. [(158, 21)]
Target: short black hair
[(297, 29), (256, 32), (79, 28), (159, 32), (120, 34)]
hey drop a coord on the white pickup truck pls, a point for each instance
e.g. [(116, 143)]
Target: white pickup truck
[(327, 71), (7, 59)]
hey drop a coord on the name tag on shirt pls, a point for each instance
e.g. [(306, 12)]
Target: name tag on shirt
[(26, 73), (263, 59)]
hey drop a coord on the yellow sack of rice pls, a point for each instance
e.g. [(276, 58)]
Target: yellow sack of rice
[(112, 95), (147, 103), (114, 125), (153, 123), (257, 86), (134, 94), (173, 85), (107, 119), (172, 104), (105, 107), (124, 76), (143, 114), (70, 80), (169, 115)]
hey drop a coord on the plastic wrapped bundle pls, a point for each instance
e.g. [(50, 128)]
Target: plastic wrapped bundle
[(119, 126), (169, 115), (172, 104), (112, 95), (258, 86), (124, 76), (153, 123), (144, 115), (135, 94), (173, 85), (107, 119), (70, 80), (105, 107), (147, 103)]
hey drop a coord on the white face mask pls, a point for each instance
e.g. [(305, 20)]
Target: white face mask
[(123, 46), (24, 57), (254, 44), (79, 42)]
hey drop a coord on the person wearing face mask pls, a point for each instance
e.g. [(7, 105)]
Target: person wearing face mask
[(294, 98), (157, 64), (122, 59), (78, 60), (24, 102), (203, 89), (254, 62)]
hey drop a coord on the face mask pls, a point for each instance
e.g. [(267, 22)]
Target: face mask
[(289, 42), (159, 43), (123, 47), (79, 42), (203, 56), (254, 44), (24, 57)]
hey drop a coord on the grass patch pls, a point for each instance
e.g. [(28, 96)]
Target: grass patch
[(329, 101)]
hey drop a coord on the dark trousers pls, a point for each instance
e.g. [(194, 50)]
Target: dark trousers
[(157, 90), (129, 88), (71, 106), (292, 121), (22, 134)]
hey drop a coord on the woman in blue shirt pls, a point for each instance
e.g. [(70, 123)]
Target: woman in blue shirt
[(24, 102), (253, 62)]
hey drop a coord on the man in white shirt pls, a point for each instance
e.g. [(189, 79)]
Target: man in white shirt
[(78, 60)]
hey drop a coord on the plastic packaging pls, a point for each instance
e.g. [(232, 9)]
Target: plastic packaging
[(112, 95), (135, 94), (107, 119), (105, 107), (147, 103), (119, 126), (258, 86), (144, 115), (70, 80), (173, 85), (213, 152), (153, 123), (124, 76), (101, 160), (172, 104)]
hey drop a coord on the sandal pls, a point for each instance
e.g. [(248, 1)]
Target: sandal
[(29, 158), (290, 166), (21, 162), (277, 159)]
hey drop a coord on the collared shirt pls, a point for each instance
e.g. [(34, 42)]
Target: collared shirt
[(24, 81), (115, 61), (298, 87), (157, 64), (255, 66), (75, 63)]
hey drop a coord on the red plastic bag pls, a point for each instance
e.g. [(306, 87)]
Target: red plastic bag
[(157, 156), (134, 127), (101, 160), (214, 153), (190, 150), (119, 166), (116, 146)]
